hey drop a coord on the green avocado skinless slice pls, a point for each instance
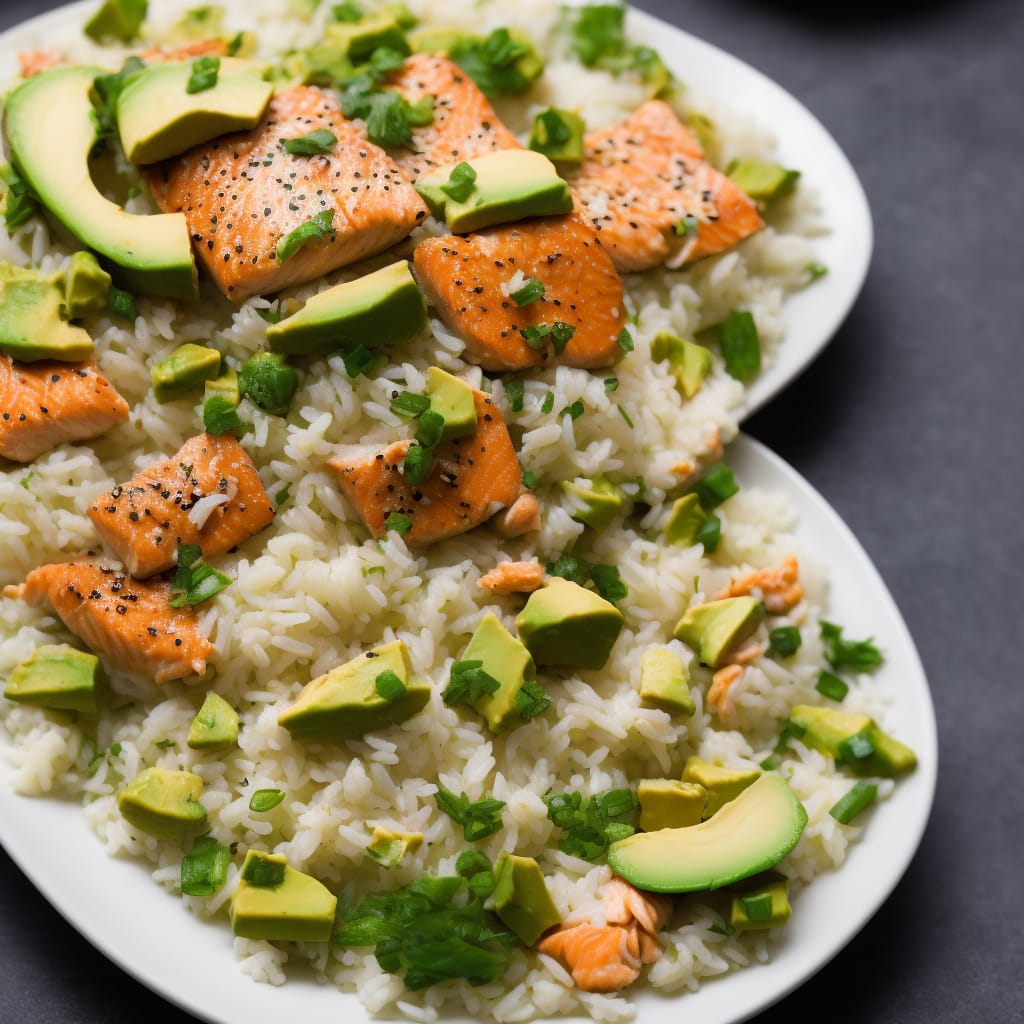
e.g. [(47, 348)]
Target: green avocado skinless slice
[(750, 834)]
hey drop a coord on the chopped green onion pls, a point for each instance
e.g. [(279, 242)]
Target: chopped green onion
[(265, 800), (784, 641), (268, 382), (194, 581), (515, 391), (856, 748), (816, 270), (740, 345), (311, 144), (757, 907), (625, 415), (534, 335), (263, 873), (715, 485), (204, 75), (709, 533), (831, 686), (561, 335), (204, 869), (388, 685), (220, 415), (530, 479), (626, 340), (282, 496), (611, 384), (122, 304), (347, 11), (859, 655), (548, 403), (359, 360), (771, 763), (316, 229), (460, 183), (429, 429), (848, 806), (531, 291), (575, 410), (688, 225), (399, 522), (27, 479), (471, 862), (409, 404)]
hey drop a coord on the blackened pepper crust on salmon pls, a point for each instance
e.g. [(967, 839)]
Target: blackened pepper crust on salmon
[(242, 193)]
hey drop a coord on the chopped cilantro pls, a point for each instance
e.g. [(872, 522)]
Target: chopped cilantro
[(478, 820), (593, 824), (500, 64), (204, 869), (531, 700), (314, 230), (515, 390), (569, 567), (460, 183), (265, 800), (531, 291), (609, 583), (220, 415), (467, 683), (548, 403), (409, 404), (20, 202), (311, 144), (399, 522), (626, 340), (859, 655), (204, 75), (104, 95), (194, 580), (122, 304), (598, 33), (575, 411)]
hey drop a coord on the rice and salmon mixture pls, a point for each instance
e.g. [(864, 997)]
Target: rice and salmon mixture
[(313, 590)]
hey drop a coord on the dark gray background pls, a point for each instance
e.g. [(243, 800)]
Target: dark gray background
[(911, 425)]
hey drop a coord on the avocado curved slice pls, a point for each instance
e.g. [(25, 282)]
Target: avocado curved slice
[(748, 835)]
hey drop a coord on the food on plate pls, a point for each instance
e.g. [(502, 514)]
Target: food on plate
[(435, 631)]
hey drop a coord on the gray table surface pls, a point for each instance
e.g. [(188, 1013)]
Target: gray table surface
[(911, 425)]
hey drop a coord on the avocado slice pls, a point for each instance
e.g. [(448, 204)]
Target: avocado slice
[(347, 702), (358, 39), (86, 286), (599, 504), (215, 725), (684, 520), (566, 624), (558, 134), (453, 400), (762, 181), (690, 363), (852, 739), (667, 803), (187, 367), (510, 185), (118, 20), (275, 902), (521, 898), (763, 904), (32, 324), (163, 803), (665, 681), (751, 834), (389, 848), (56, 676), (51, 130), (505, 659), (713, 629), (158, 118), (722, 784), (226, 386), (382, 308)]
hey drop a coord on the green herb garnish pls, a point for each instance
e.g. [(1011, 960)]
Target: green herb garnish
[(592, 825), (626, 340), (204, 75), (478, 819), (311, 144), (104, 95), (467, 683), (399, 522), (204, 869), (535, 334), (268, 382), (460, 183), (122, 304), (263, 873), (784, 641), (548, 402), (531, 291), (740, 345), (515, 391), (20, 202), (625, 415), (715, 485), (220, 416), (575, 410), (347, 11), (858, 655), (314, 230), (609, 583), (831, 686), (561, 335), (194, 580), (359, 360), (848, 806), (611, 384), (265, 800), (531, 700), (500, 64), (709, 533), (816, 270), (409, 404), (388, 686)]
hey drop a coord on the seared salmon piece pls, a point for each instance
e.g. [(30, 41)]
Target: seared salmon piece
[(131, 622), (623, 903), (654, 197), (242, 193), (470, 479), (464, 126), (600, 958), (212, 47), (45, 404), (780, 587), (209, 494), (467, 280), (513, 578)]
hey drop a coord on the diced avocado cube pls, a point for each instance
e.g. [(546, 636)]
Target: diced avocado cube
[(566, 624), (722, 784), (510, 185), (268, 382), (763, 182), (86, 286), (346, 702), (294, 907), (453, 400), (704, 128), (187, 367), (598, 505), (713, 629), (665, 681), (385, 307), (558, 134), (505, 659), (439, 39), (163, 803), (854, 739), (690, 363), (684, 520), (358, 39), (56, 676), (764, 904), (214, 726), (389, 848), (668, 803), (31, 323), (226, 386), (116, 19), (521, 898)]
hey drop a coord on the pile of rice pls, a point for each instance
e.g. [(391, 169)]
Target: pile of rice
[(313, 591)]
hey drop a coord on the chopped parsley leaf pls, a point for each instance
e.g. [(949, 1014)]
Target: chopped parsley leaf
[(531, 291), (314, 230), (609, 583), (204, 75), (194, 580), (594, 824), (399, 522), (311, 144), (531, 700), (515, 390), (859, 655), (220, 415), (204, 869), (478, 820), (467, 683)]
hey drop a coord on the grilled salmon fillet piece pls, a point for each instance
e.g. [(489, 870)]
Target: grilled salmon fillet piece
[(45, 404), (464, 126), (470, 479), (209, 494), (131, 622), (33, 62), (600, 958), (643, 177), (242, 193), (467, 280)]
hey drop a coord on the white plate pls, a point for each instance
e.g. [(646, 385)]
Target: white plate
[(120, 909)]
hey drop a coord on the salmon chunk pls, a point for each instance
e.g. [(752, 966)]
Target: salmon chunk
[(209, 494), (468, 280), (212, 47), (465, 125), (470, 479), (623, 903), (45, 404), (600, 958), (513, 578), (243, 193), (780, 587), (654, 197), (131, 622)]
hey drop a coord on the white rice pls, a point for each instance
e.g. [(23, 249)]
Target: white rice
[(312, 591)]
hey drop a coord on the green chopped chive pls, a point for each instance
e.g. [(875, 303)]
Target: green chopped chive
[(709, 533), (479, 819), (27, 479), (561, 335), (220, 415), (530, 479), (460, 183), (388, 685), (316, 229), (429, 429), (626, 340), (409, 404), (848, 806), (831, 686), (548, 403), (311, 144), (531, 700), (715, 485), (816, 270), (535, 334), (204, 75), (164, 744), (467, 683), (416, 464), (359, 360), (771, 763), (859, 655), (115, 749), (740, 345), (272, 316), (856, 748), (569, 567), (122, 304), (399, 522), (515, 391), (625, 415), (265, 800), (575, 410), (758, 907), (263, 873), (282, 496), (531, 291), (688, 225), (611, 384), (784, 641), (598, 33), (204, 869), (268, 382), (609, 583), (194, 581)]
